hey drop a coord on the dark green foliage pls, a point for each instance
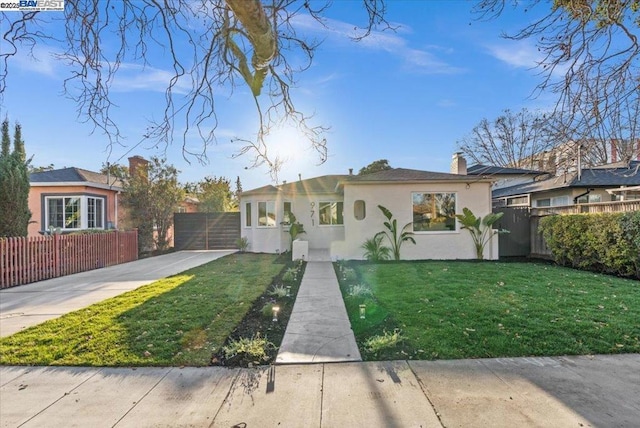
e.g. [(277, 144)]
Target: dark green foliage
[(374, 251), (152, 195), (14, 185), (396, 236), (603, 242), (375, 166), (481, 229)]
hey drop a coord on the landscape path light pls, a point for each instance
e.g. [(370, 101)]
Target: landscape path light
[(275, 309)]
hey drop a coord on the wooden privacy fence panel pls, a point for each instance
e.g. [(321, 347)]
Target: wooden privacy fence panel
[(31, 259), (591, 208), (206, 231)]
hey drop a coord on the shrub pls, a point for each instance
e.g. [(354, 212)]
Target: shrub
[(253, 350), (278, 291), (374, 251), (603, 242), (359, 290), (290, 276), (349, 274), (377, 343), (396, 235), (242, 244)]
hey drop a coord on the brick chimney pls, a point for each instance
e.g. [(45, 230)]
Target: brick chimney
[(138, 165), (458, 164)]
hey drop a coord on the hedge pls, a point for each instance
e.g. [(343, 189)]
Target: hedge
[(607, 243)]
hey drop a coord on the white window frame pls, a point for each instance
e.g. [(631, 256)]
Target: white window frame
[(267, 211), (455, 208), (83, 210), (338, 208), (248, 221)]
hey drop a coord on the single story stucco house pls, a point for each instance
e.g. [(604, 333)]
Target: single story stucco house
[(72, 199), (339, 212)]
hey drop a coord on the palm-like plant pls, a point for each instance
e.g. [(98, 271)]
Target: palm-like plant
[(295, 229), (481, 229), (374, 251), (395, 235)]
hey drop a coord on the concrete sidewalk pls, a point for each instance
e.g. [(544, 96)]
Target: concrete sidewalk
[(588, 391), (319, 330), (31, 304)]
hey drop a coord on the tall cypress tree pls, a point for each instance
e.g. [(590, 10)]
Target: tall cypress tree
[(14, 185)]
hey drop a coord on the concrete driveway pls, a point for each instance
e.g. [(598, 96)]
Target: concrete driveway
[(31, 304)]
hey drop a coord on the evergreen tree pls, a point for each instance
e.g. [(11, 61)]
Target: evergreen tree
[(14, 185), (6, 141)]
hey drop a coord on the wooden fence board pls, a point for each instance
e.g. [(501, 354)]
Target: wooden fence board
[(30, 259)]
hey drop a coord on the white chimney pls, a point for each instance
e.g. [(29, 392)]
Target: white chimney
[(458, 164)]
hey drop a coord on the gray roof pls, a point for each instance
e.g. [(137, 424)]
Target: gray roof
[(591, 177), (479, 169), (409, 175), (331, 183), (322, 184), (74, 175)]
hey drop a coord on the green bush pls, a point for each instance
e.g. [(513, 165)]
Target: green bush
[(603, 242)]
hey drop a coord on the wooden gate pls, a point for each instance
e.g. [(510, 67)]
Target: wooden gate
[(206, 231), (516, 243)]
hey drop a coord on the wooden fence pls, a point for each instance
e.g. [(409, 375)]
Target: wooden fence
[(591, 208), (31, 259)]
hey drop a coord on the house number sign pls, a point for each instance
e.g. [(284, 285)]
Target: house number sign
[(313, 211)]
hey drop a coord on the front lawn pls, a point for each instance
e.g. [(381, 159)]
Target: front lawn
[(457, 309), (180, 320)]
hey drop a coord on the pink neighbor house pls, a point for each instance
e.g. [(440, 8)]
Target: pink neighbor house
[(72, 199)]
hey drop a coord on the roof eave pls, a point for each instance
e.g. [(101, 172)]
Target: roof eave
[(75, 184)]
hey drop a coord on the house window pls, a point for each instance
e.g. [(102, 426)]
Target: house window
[(95, 213), (359, 210), (288, 211), (267, 214), (434, 212), (543, 202), (560, 201), (247, 214), (589, 199), (74, 212), (331, 213), (518, 201)]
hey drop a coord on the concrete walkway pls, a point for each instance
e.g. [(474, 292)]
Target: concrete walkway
[(319, 330), (589, 391), (31, 304)]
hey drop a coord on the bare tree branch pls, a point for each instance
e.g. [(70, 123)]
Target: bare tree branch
[(590, 60), (205, 43)]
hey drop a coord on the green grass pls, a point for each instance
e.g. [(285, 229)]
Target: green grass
[(455, 309), (179, 320)]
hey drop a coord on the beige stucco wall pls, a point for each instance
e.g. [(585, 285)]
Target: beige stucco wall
[(397, 198), (345, 241), (277, 239), (36, 203)]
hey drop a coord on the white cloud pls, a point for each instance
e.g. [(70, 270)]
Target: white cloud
[(133, 77), (41, 60), (517, 54), (420, 60)]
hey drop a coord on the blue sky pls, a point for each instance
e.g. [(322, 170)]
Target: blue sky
[(406, 96)]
